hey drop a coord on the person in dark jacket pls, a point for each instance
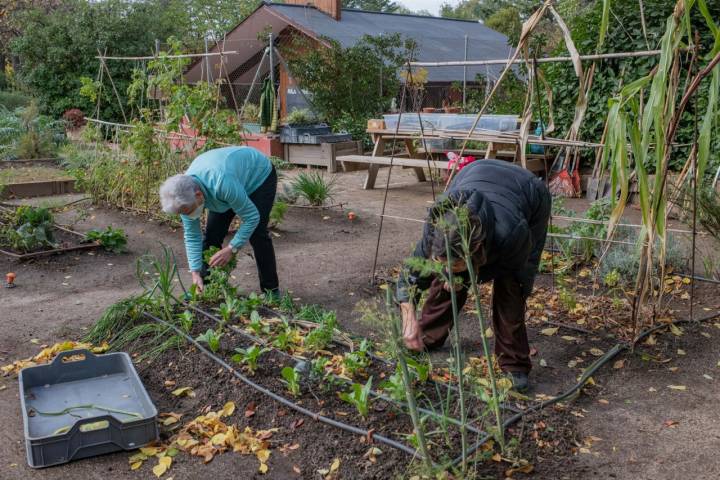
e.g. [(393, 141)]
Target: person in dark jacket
[(509, 209)]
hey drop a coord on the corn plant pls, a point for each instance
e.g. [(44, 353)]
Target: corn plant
[(212, 338), (359, 396), (646, 114), (292, 380), (249, 356)]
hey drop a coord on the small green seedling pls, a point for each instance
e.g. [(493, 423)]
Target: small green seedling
[(249, 356), (292, 380), (359, 396), (421, 369), (228, 309), (256, 324), (186, 320), (394, 386), (317, 367), (212, 338), (356, 361)]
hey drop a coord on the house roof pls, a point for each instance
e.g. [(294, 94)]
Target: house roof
[(438, 39)]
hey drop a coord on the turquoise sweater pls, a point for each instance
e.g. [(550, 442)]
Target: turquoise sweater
[(226, 176)]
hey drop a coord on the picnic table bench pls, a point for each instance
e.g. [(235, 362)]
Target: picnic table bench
[(421, 158)]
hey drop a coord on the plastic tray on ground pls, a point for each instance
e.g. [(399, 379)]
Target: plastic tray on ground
[(82, 405)]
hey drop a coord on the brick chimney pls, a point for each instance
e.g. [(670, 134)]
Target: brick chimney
[(330, 7)]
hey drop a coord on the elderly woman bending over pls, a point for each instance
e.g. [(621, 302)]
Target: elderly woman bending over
[(227, 182)]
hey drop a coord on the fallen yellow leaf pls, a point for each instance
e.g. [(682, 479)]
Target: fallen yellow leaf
[(597, 352), (263, 455), (677, 387), (162, 466), (335, 465), (183, 391), (677, 331), (549, 331), (228, 409), (568, 338), (263, 468), (136, 465), (149, 451)]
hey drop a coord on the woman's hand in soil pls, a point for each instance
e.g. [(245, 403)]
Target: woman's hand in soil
[(412, 334), (222, 257), (197, 281)]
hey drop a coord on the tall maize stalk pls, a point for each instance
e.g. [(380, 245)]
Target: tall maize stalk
[(655, 122)]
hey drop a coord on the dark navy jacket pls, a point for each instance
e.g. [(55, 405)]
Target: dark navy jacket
[(513, 206)]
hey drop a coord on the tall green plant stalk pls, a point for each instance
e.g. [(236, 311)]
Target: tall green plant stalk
[(399, 352), (457, 352), (500, 437)]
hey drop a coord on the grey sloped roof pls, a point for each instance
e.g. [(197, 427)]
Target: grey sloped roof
[(439, 39)]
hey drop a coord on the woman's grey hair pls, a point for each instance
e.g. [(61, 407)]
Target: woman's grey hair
[(178, 192)]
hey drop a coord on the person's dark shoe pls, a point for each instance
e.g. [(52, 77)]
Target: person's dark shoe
[(520, 381)]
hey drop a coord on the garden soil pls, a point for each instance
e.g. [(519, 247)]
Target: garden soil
[(630, 424)]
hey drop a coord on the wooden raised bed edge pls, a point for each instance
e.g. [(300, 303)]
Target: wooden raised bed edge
[(42, 253), (42, 188)]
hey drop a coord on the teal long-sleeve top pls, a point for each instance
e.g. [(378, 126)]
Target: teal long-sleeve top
[(227, 177)]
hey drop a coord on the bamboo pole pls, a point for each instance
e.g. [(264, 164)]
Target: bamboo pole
[(184, 55), (503, 61)]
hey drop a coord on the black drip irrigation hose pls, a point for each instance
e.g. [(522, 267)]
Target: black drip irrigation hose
[(374, 393), (609, 355), (288, 403)]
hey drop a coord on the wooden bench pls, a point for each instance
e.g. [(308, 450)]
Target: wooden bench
[(374, 163)]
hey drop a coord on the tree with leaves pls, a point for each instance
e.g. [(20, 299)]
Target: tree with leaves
[(349, 84), (372, 5)]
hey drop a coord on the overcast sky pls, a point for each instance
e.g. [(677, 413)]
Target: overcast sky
[(433, 6)]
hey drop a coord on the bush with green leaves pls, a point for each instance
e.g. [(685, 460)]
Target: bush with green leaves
[(26, 134), (111, 239), (299, 117), (12, 100), (356, 82), (27, 229), (313, 187)]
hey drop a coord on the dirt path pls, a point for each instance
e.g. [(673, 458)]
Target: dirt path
[(326, 259)]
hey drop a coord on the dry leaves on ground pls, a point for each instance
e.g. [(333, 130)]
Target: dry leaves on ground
[(47, 355)]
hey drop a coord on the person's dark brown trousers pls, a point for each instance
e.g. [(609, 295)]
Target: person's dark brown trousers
[(508, 318)]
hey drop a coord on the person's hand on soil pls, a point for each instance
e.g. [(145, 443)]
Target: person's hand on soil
[(222, 257), (197, 281), (412, 334)]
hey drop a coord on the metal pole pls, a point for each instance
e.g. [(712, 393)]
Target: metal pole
[(272, 61), (207, 61), (465, 74)]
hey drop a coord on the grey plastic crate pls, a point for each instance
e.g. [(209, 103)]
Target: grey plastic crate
[(108, 381), (316, 139), (298, 130)]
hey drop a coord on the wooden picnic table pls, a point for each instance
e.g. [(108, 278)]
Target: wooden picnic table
[(433, 158)]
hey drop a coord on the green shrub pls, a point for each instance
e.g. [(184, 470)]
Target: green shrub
[(13, 100), (111, 239), (313, 187)]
